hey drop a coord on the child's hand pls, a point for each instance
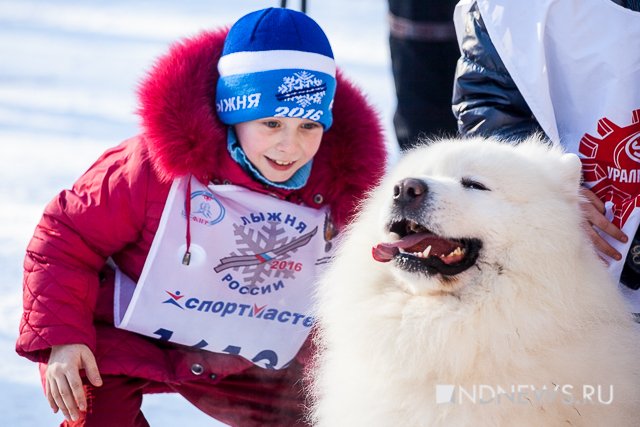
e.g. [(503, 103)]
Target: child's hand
[(593, 211), (64, 386)]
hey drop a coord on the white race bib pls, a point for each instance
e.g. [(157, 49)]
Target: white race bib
[(247, 289)]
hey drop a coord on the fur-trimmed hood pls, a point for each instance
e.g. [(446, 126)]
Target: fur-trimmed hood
[(184, 135)]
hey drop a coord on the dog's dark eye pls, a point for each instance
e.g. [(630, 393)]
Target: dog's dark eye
[(473, 185)]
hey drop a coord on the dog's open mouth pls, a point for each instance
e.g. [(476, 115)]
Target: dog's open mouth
[(419, 250)]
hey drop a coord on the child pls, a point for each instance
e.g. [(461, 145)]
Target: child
[(220, 219)]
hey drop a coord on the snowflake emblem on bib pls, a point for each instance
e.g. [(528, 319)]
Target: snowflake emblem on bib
[(259, 249), (611, 165), (303, 88)]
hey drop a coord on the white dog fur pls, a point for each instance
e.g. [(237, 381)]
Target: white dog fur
[(538, 308)]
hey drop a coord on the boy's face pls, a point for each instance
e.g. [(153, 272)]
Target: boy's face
[(279, 146)]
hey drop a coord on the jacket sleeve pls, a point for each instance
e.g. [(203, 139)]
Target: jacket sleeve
[(79, 230), (486, 101)]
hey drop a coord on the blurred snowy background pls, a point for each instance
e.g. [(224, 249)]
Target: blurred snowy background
[(68, 74)]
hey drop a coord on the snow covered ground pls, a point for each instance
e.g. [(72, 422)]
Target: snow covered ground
[(68, 73)]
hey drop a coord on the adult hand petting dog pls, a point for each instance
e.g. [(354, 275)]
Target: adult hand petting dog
[(594, 214), (64, 385)]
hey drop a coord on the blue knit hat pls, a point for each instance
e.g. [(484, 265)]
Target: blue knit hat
[(276, 63)]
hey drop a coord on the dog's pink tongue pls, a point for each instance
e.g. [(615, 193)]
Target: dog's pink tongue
[(384, 252)]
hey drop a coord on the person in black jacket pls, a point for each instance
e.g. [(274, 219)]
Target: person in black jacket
[(486, 101)]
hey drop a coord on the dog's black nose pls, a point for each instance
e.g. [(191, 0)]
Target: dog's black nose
[(409, 190)]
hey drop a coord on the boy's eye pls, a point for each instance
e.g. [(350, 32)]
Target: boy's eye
[(271, 124), (310, 125)]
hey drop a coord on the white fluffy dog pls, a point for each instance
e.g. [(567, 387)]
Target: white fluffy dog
[(482, 304)]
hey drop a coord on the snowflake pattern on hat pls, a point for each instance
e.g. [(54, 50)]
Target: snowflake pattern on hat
[(303, 87)]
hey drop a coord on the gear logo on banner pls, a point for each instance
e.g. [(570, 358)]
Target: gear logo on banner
[(611, 165)]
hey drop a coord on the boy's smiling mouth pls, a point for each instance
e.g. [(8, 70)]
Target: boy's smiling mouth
[(280, 165)]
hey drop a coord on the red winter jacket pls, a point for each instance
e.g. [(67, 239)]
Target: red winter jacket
[(113, 210)]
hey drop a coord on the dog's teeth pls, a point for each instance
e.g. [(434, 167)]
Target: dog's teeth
[(426, 251), (456, 252), (413, 226)]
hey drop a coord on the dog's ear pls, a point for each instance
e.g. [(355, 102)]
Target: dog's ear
[(571, 170)]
